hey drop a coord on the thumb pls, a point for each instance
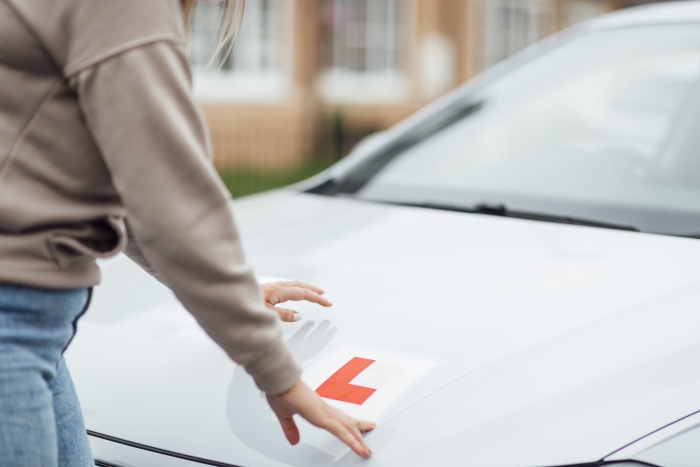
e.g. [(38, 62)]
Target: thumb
[(290, 429), (288, 316), (285, 416)]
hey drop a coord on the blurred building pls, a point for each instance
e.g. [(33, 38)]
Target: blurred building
[(315, 76)]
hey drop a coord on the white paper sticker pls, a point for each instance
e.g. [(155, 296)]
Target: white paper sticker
[(363, 382)]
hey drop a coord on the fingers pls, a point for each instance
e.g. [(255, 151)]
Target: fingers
[(366, 426), (280, 292), (303, 285), (348, 432), (355, 427), (296, 294), (303, 400), (346, 428), (288, 316)]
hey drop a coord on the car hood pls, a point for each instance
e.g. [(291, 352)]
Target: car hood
[(555, 344)]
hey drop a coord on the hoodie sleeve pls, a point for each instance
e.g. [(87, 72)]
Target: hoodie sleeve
[(139, 109)]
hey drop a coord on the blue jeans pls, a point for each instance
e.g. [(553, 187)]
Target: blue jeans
[(40, 419)]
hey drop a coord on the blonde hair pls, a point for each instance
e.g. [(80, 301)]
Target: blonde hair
[(229, 24)]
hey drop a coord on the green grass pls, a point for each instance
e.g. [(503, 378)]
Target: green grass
[(246, 182)]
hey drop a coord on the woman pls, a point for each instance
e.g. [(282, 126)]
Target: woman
[(97, 125)]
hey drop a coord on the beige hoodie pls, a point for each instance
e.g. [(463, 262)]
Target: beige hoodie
[(97, 123)]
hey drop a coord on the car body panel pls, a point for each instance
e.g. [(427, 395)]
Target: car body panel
[(543, 360)]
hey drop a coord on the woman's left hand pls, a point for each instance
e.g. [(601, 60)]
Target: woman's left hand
[(280, 292)]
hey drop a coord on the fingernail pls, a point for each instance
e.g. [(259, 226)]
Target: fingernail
[(297, 317)]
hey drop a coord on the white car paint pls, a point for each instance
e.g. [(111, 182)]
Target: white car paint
[(555, 349), (557, 344)]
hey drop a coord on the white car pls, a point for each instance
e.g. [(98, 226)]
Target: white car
[(514, 268)]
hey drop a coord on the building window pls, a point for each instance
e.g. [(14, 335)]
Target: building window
[(362, 48), (512, 25), (255, 67)]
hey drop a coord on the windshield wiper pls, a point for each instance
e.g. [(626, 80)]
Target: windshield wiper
[(502, 211)]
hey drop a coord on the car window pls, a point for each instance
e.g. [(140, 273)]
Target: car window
[(606, 122)]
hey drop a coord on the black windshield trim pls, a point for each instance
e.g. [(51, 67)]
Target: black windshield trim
[(501, 210), (611, 464)]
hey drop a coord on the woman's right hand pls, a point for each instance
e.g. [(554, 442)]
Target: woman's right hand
[(300, 399)]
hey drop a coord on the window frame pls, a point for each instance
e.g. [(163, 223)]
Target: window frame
[(257, 86), (337, 84), (496, 46)]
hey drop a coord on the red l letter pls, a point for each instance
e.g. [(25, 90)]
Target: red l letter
[(338, 386)]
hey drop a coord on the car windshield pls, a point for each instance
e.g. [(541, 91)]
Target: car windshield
[(603, 126)]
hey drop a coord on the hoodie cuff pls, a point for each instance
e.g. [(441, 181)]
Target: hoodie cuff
[(275, 372)]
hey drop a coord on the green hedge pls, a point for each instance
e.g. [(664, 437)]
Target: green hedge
[(247, 182)]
